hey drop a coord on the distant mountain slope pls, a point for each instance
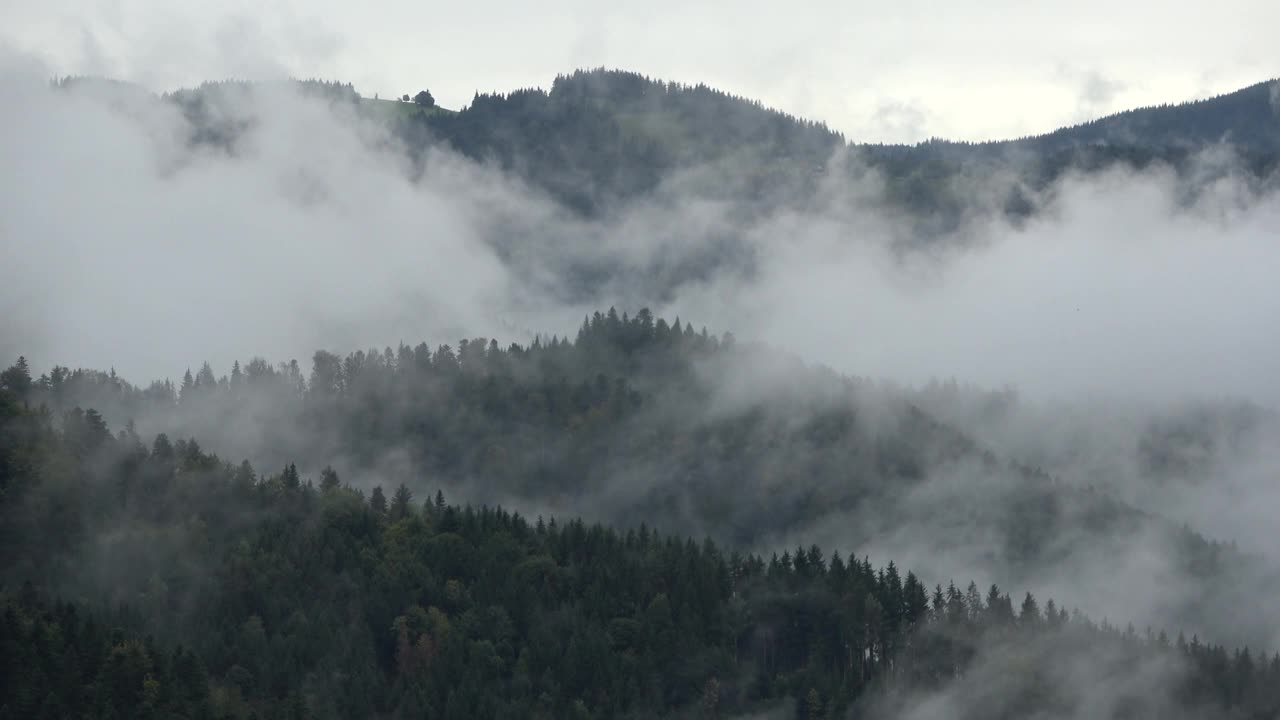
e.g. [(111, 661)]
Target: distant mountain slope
[(599, 139), (1247, 121), (638, 420), (1248, 118), (599, 136)]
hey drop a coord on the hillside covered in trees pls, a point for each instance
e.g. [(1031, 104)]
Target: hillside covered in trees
[(599, 137), (598, 140), (655, 429), (602, 155), (152, 579), (637, 518), (633, 417)]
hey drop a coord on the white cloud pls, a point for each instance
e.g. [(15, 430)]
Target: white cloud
[(985, 69)]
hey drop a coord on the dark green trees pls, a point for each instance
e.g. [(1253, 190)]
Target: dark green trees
[(219, 592), (451, 611), (17, 378)]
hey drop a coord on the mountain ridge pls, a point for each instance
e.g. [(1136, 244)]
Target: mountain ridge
[(1265, 92)]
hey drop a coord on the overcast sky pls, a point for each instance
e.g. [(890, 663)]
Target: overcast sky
[(898, 71)]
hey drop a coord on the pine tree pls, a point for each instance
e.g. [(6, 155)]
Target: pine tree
[(17, 378), (205, 378), (329, 479), (1030, 610), (188, 384), (245, 478), (161, 448), (400, 503), (237, 377)]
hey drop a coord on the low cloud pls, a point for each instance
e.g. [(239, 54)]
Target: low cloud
[(1096, 93), (126, 246)]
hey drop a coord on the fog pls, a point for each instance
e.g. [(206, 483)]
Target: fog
[(1118, 289), (126, 248), (1123, 303), (1040, 679)]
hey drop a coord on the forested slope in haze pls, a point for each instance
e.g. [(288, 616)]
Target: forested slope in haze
[(596, 140), (630, 517), (605, 155), (164, 582), (599, 137), (641, 419)]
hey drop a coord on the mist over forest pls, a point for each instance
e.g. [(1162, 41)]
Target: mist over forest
[(623, 397)]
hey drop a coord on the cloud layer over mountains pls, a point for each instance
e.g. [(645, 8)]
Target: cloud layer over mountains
[(126, 246)]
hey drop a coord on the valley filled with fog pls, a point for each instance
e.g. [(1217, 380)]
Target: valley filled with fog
[(250, 312)]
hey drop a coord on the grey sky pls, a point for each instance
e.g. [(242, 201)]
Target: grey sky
[(884, 71)]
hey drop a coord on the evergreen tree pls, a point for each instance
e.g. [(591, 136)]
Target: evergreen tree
[(401, 503), (17, 378), (329, 479)]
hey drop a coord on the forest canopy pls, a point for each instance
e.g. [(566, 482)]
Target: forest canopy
[(150, 578)]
